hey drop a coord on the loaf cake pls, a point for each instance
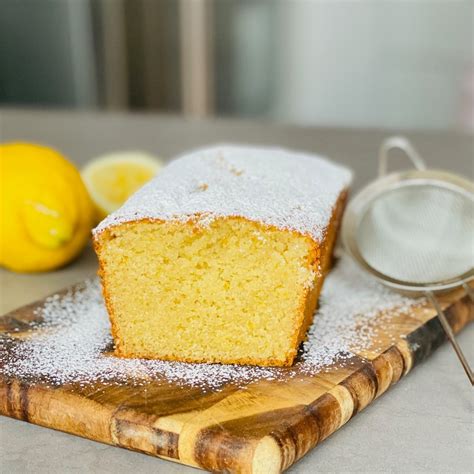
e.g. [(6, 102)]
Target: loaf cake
[(221, 257)]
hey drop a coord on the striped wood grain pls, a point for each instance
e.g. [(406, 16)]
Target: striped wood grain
[(262, 429)]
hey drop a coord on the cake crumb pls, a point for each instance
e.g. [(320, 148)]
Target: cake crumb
[(73, 344)]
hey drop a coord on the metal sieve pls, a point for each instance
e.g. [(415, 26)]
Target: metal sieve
[(414, 231)]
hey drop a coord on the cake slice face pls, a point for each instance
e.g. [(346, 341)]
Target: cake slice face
[(232, 292), (222, 256)]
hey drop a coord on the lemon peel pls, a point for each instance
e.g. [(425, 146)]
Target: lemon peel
[(46, 213)]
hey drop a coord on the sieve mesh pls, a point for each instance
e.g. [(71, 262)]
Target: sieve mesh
[(418, 233)]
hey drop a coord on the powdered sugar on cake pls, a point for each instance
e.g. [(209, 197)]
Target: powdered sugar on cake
[(72, 341), (278, 187)]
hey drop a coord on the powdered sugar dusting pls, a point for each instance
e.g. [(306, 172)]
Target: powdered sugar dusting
[(72, 341), (286, 189)]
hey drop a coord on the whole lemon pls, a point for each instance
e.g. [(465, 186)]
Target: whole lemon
[(46, 213)]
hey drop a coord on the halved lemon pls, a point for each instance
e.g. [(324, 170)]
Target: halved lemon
[(112, 178)]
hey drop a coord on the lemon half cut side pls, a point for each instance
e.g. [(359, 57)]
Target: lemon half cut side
[(112, 178)]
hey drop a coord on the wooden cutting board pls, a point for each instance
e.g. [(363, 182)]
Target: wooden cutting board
[(265, 427)]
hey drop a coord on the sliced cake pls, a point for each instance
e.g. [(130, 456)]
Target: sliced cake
[(221, 257)]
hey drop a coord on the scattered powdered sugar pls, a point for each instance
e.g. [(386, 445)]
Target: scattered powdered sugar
[(72, 341), (278, 187), (351, 316)]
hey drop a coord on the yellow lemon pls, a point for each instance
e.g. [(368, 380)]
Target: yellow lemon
[(111, 179), (46, 213)]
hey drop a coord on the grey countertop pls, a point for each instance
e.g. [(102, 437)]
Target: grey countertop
[(424, 424)]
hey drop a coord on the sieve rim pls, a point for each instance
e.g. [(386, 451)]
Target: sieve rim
[(358, 206)]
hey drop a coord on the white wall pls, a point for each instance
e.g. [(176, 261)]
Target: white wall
[(374, 63)]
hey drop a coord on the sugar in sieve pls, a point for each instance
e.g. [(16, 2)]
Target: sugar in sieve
[(414, 231)]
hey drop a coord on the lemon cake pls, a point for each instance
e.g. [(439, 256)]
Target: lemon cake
[(221, 257)]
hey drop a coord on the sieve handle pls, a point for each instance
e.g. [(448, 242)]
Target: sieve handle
[(403, 144), (450, 335)]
